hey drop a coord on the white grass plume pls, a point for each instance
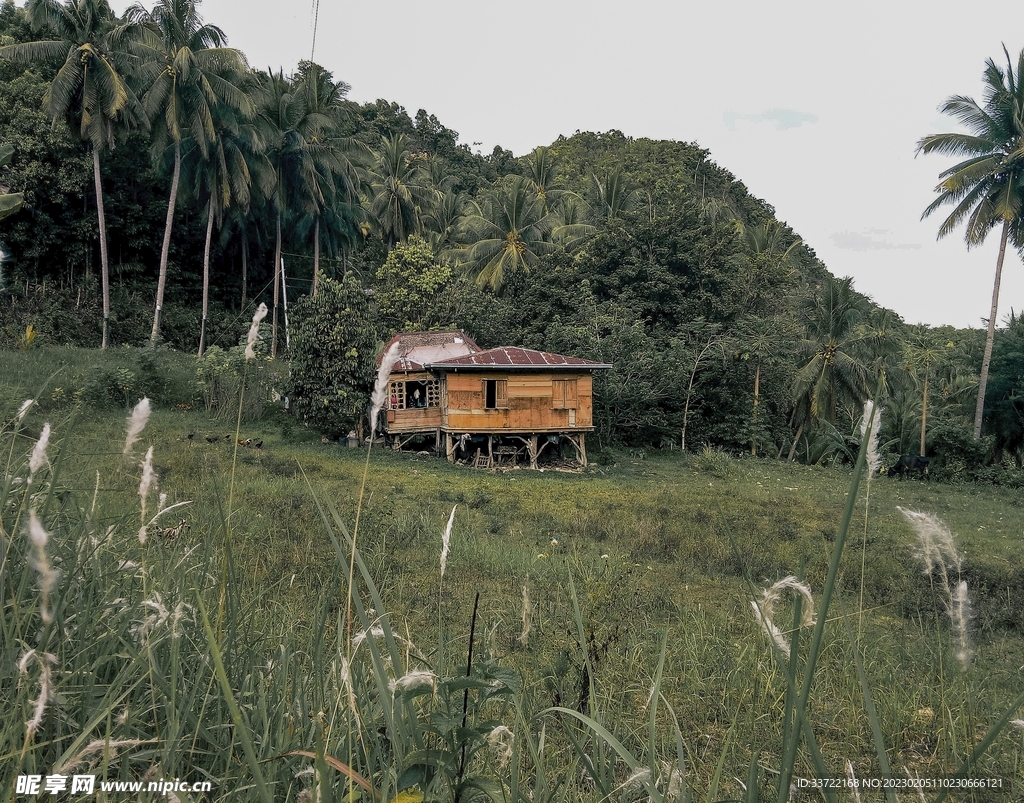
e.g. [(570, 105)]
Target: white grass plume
[(254, 331), (158, 616), (936, 545), (524, 637), (852, 778), (500, 741), (937, 551), (417, 681), (98, 749), (137, 421), (961, 612), (46, 662), (38, 458), (145, 486), (380, 386), (446, 541), (764, 609), (375, 632), (873, 415), (48, 576), (23, 410)]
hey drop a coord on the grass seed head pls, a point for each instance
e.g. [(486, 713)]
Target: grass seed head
[(136, 423), (97, 749), (145, 485), (936, 546), (961, 612), (374, 632), (764, 609), (524, 637), (873, 415), (46, 662), (48, 576), (38, 458), (380, 386), (254, 332), (446, 541), (23, 410), (418, 680), (500, 741)]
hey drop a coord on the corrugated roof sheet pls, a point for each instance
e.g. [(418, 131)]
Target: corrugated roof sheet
[(515, 357)]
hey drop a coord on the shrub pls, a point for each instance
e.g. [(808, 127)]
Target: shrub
[(334, 346)]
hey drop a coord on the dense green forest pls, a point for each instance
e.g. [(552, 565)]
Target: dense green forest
[(166, 183)]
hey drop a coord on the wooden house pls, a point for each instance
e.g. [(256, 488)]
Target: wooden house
[(496, 406)]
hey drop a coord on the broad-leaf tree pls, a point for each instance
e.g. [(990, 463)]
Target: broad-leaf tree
[(9, 202), (986, 189)]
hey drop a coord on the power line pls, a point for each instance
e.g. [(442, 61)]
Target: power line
[(316, 20)]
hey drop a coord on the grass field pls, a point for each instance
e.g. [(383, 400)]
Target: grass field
[(592, 587)]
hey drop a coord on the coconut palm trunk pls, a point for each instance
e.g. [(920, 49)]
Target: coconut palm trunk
[(990, 336), (165, 250), (104, 260), (757, 400), (245, 268), (206, 278), (277, 287), (316, 253), (924, 411)]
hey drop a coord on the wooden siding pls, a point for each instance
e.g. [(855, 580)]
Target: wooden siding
[(530, 398)]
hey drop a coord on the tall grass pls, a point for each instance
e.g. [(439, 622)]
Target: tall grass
[(165, 657)]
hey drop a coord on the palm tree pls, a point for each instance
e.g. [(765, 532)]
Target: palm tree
[(187, 71), (769, 258), (90, 90), (923, 350), (760, 338), (832, 372), (507, 233), (300, 122), (333, 197), (987, 188), (572, 224), (542, 171), (235, 162), (399, 190), (612, 194)]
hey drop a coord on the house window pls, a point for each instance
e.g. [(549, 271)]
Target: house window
[(563, 394), (415, 394), (495, 394)]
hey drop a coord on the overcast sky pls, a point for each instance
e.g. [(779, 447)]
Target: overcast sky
[(816, 106)]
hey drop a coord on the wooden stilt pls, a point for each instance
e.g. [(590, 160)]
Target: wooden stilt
[(532, 446), (583, 450), (449, 447)]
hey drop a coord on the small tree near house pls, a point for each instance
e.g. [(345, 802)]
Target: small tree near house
[(334, 345)]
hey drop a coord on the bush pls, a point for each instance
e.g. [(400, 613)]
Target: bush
[(958, 457), (334, 346)]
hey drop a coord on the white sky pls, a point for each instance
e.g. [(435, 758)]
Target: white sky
[(815, 106)]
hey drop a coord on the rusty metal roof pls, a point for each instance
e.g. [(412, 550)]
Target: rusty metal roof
[(514, 358)]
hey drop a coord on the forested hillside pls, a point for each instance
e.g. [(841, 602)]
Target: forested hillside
[(161, 211)]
